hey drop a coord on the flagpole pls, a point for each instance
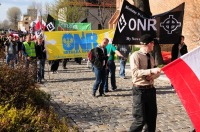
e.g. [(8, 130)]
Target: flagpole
[(41, 20), (48, 69)]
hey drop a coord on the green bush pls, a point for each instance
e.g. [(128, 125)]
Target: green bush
[(30, 119), (23, 107), (18, 87)]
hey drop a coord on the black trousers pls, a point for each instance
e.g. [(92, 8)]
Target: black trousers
[(64, 62), (54, 65), (144, 110)]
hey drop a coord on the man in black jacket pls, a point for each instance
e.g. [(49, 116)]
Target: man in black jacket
[(10, 50), (41, 57), (99, 66), (179, 48)]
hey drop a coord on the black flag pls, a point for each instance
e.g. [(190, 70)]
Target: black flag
[(50, 25), (84, 20), (133, 23)]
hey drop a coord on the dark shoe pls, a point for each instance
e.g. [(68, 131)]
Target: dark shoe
[(40, 81), (114, 88), (102, 95), (107, 91), (44, 79), (94, 94)]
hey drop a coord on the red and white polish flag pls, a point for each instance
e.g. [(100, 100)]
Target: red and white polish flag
[(184, 74)]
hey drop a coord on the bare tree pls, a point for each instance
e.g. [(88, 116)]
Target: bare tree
[(68, 10), (46, 11), (4, 25), (53, 8), (74, 10), (33, 5), (14, 14), (37, 6), (144, 6), (105, 11), (42, 10)]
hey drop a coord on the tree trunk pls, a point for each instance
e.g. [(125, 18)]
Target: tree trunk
[(144, 6)]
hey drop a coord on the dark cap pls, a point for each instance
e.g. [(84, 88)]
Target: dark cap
[(145, 39)]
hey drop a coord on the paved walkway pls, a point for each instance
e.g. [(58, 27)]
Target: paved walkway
[(71, 90)]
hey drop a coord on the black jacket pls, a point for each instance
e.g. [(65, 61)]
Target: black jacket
[(175, 50), (100, 57), (40, 51)]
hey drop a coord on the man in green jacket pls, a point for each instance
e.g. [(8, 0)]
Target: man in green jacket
[(111, 67), (29, 52)]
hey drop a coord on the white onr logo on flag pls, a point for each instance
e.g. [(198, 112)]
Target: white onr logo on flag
[(50, 26), (122, 23)]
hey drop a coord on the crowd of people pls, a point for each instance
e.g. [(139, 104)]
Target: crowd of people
[(143, 74), (143, 70), (27, 50), (33, 53), (104, 64)]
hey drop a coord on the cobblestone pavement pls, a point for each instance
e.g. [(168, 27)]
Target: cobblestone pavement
[(71, 90)]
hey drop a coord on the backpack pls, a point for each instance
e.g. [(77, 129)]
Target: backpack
[(91, 55)]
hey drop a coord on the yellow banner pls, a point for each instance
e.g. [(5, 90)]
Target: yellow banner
[(73, 44)]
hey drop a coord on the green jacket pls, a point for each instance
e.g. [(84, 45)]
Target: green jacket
[(30, 49)]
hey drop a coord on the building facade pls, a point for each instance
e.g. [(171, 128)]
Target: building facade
[(96, 13), (27, 19)]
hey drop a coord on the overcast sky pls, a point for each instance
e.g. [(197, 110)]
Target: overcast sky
[(22, 4)]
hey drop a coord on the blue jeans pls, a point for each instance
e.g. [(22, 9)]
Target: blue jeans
[(40, 65), (100, 79), (10, 58), (122, 68), (111, 69)]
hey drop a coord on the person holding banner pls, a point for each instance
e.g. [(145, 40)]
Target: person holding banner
[(20, 43), (111, 49), (41, 57), (125, 50), (54, 66), (29, 52), (64, 63), (144, 93)]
